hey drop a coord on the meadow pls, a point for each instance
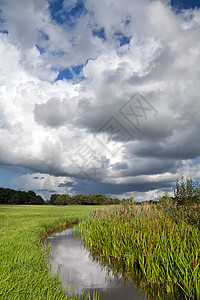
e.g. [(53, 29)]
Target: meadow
[(24, 272), (160, 255), (155, 247)]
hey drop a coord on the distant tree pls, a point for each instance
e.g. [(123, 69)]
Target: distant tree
[(98, 199), (23, 197), (129, 201), (10, 196), (190, 190), (111, 201), (31, 197), (60, 200), (177, 190), (68, 199), (53, 198), (81, 199), (186, 192), (197, 193), (165, 201), (7, 194), (183, 194), (2, 196), (116, 201), (39, 200), (14, 199)]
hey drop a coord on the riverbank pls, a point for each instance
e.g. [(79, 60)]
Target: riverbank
[(24, 272)]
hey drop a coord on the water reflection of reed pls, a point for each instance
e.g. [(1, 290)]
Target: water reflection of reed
[(135, 278)]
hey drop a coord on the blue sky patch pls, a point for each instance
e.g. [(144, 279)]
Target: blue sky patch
[(128, 21), (77, 69), (122, 38), (68, 184), (100, 33), (55, 7), (40, 49), (185, 4), (68, 17), (69, 73), (65, 74), (78, 10), (4, 31)]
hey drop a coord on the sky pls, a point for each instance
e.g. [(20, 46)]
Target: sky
[(99, 96)]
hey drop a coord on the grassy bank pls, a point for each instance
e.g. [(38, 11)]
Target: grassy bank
[(165, 253), (23, 270)]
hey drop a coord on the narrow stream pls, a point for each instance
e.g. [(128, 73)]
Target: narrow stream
[(77, 267)]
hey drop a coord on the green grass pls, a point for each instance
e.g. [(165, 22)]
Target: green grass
[(24, 273), (163, 252)]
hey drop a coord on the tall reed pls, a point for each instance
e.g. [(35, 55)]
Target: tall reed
[(167, 253)]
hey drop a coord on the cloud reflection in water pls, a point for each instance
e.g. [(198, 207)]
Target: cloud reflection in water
[(76, 267)]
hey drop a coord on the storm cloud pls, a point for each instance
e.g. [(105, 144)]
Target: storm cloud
[(99, 96)]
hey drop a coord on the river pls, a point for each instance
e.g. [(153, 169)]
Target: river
[(77, 267)]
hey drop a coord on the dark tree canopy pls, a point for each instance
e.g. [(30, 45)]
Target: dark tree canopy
[(9, 196), (81, 199)]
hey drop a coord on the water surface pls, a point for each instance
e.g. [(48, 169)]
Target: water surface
[(77, 267)]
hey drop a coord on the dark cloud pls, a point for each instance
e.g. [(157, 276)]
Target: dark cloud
[(68, 184), (120, 166), (182, 145), (148, 166), (91, 187)]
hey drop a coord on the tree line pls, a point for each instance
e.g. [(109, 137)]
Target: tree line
[(81, 199), (10, 196)]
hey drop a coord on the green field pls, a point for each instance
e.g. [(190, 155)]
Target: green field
[(24, 273)]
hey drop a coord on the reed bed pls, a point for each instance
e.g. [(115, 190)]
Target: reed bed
[(167, 253)]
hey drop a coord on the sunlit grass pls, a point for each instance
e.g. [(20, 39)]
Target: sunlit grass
[(24, 273), (167, 253)]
